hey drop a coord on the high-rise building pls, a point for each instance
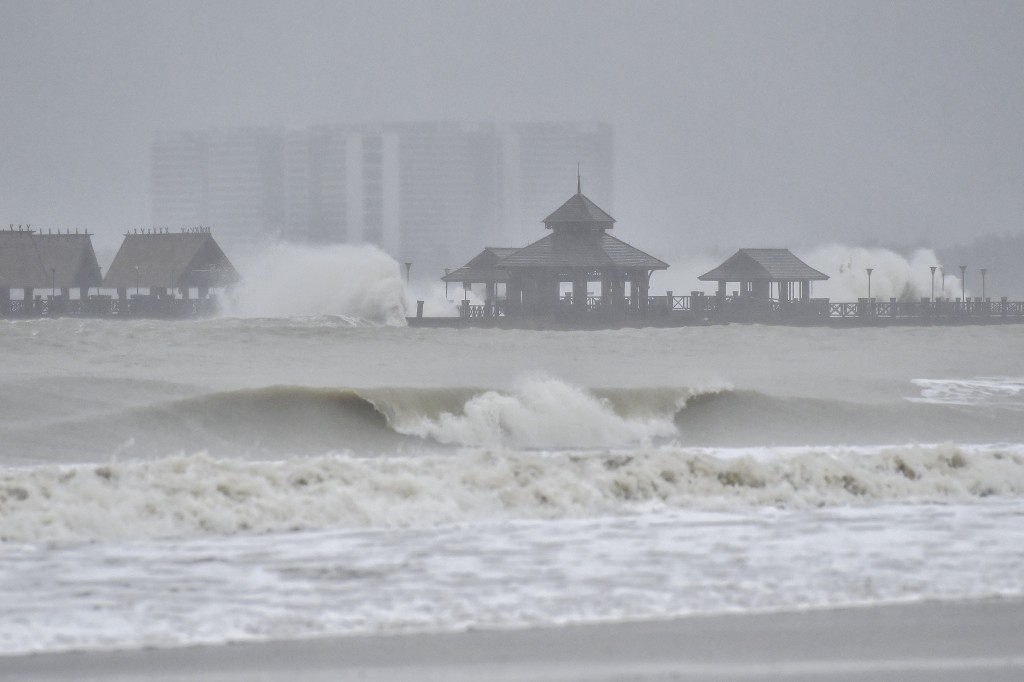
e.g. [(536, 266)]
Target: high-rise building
[(427, 193)]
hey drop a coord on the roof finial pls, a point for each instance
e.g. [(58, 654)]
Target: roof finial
[(579, 185)]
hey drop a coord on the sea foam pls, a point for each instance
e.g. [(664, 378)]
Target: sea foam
[(196, 495)]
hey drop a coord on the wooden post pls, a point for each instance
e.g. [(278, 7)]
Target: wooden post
[(668, 300), (579, 292)]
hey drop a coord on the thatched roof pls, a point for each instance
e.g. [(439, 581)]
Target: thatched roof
[(170, 260), (751, 265), (481, 268), (41, 261), (20, 264), (70, 259), (589, 249)]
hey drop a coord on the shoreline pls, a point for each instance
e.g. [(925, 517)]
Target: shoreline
[(933, 640)]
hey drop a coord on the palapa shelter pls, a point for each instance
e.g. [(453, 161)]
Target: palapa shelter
[(31, 260), (579, 251), (756, 270), (161, 261)]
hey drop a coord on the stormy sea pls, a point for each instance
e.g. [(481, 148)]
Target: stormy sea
[(263, 476)]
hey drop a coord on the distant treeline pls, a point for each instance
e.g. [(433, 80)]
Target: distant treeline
[(1002, 256)]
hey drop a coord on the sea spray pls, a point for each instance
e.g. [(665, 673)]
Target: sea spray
[(892, 276), (361, 283)]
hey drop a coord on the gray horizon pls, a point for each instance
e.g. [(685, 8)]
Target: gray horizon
[(736, 123)]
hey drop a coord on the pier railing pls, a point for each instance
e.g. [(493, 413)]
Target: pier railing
[(108, 306), (865, 308)]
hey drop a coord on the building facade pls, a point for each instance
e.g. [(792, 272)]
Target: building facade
[(422, 191)]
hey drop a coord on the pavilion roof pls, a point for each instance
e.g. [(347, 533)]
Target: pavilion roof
[(20, 263), (169, 260), (69, 259), (481, 268), (590, 249), (39, 261), (750, 265), (579, 210)]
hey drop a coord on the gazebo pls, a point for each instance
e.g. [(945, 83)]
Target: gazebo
[(757, 271), (579, 251), (481, 270)]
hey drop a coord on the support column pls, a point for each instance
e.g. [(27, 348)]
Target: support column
[(489, 300), (579, 292), (645, 291)]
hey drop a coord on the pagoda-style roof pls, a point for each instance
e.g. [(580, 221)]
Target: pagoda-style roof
[(751, 265), (587, 249), (170, 260), (40, 261), (481, 268), (579, 211)]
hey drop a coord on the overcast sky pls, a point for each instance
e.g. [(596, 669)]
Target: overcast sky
[(736, 124)]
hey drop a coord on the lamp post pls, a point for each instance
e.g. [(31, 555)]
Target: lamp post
[(869, 271), (963, 284), (983, 271), (447, 271), (933, 268), (943, 272)]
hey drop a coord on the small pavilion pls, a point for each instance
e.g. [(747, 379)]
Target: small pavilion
[(578, 251), (482, 270), (758, 271)]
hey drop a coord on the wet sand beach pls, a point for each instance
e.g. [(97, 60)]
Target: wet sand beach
[(925, 641)]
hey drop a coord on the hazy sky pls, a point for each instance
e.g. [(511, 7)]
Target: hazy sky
[(750, 123)]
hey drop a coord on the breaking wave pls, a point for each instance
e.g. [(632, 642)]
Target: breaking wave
[(198, 495), (538, 412)]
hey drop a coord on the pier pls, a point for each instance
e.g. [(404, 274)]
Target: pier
[(156, 274)]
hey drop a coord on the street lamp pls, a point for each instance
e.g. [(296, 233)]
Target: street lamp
[(943, 269), (983, 271), (963, 283), (869, 271), (933, 268)]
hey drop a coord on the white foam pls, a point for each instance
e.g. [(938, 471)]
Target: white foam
[(988, 391), (540, 412), (196, 495)]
